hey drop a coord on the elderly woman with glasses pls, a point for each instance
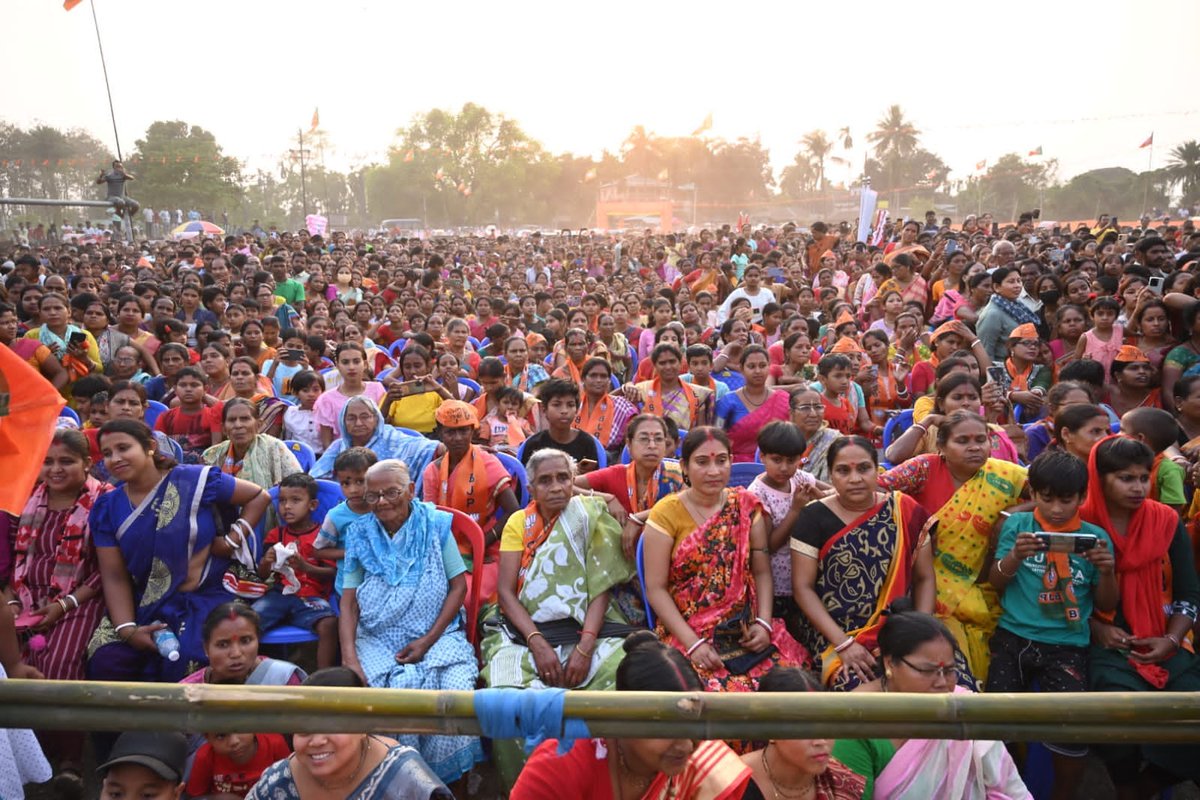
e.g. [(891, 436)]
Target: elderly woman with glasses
[(402, 623), (808, 414)]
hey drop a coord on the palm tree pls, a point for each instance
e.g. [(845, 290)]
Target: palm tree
[(895, 140), (817, 147), (843, 135), (640, 152), (1183, 168)]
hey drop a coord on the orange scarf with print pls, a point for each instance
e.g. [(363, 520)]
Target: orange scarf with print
[(570, 371), (537, 530), (654, 400), (1057, 586), (1020, 379), (468, 489), (596, 418)]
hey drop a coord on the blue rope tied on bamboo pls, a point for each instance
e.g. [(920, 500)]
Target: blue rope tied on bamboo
[(533, 715)]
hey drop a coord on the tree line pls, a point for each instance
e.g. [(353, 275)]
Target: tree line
[(474, 166)]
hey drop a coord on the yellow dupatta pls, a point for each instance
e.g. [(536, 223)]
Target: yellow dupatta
[(969, 608)]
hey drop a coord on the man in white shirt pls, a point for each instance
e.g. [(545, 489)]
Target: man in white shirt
[(751, 289)]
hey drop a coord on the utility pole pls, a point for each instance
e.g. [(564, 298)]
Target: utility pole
[(301, 153)]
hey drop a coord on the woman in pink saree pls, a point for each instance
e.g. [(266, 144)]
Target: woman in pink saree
[(742, 414), (918, 653)]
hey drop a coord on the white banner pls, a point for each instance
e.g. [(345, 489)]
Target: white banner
[(866, 210)]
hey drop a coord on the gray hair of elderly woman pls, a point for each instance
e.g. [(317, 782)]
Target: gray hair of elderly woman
[(538, 461), (390, 466)]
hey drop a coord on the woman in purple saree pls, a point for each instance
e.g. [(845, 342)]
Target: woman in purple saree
[(163, 548), (742, 414)]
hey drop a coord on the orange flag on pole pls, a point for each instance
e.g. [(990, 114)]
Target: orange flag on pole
[(67, 6), (29, 405), (316, 120), (1149, 141)]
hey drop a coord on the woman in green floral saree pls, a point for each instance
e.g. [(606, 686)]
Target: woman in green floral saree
[(559, 559)]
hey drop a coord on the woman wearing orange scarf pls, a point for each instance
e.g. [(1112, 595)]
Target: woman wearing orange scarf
[(1143, 646), (473, 481), (1030, 380), (602, 414), (667, 396)]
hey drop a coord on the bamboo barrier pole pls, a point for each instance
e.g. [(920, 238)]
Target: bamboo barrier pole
[(1125, 717)]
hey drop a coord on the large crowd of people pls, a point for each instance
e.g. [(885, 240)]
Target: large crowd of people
[(729, 460)]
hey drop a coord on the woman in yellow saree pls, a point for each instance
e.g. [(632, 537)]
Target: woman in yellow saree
[(966, 492)]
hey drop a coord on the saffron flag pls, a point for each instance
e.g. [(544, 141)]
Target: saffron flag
[(1149, 141), (67, 6), (29, 405), (704, 126), (1036, 152), (981, 164), (408, 157), (316, 120)]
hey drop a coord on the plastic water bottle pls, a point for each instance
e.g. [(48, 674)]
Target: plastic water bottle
[(167, 643)]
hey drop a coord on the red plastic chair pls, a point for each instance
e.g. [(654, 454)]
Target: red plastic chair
[(467, 530)]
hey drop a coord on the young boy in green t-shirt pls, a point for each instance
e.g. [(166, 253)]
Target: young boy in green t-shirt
[(1160, 432), (1048, 596)]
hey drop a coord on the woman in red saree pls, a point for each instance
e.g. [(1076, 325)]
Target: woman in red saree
[(743, 413), (708, 574), (647, 769), (1143, 646), (853, 553)]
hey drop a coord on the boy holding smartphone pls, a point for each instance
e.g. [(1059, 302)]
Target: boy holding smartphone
[(1048, 595)]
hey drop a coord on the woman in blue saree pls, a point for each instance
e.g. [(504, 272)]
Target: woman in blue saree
[(362, 425), (163, 549), (402, 606)]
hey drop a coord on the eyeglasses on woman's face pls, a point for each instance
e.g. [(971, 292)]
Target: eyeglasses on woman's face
[(392, 495), (807, 408), (946, 671)]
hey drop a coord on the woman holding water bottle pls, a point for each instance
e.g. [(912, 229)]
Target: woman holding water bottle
[(163, 548)]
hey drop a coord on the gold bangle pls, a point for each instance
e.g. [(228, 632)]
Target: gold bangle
[(529, 638)]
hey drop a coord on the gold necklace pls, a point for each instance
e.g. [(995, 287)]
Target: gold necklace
[(780, 789), (641, 782), (361, 760)]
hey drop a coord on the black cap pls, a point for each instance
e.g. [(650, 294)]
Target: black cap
[(164, 754)]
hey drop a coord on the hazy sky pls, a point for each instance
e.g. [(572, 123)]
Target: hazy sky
[(1087, 81)]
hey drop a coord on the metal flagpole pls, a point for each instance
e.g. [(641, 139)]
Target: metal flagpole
[(104, 66)]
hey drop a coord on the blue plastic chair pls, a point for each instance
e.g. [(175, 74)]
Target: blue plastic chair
[(303, 453), (641, 573), (153, 410), (601, 455), (743, 474), (408, 431), (757, 456), (517, 470), (470, 384), (69, 413), (616, 384), (484, 342), (329, 494), (474, 343), (395, 347), (380, 375), (896, 426)]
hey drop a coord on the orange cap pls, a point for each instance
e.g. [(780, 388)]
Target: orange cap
[(1129, 354), (1026, 331), (846, 345)]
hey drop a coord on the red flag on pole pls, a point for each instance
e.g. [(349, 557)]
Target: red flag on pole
[(1036, 152), (1149, 141)]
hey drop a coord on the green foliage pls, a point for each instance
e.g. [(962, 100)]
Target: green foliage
[(53, 163), (182, 166), (1183, 170)]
